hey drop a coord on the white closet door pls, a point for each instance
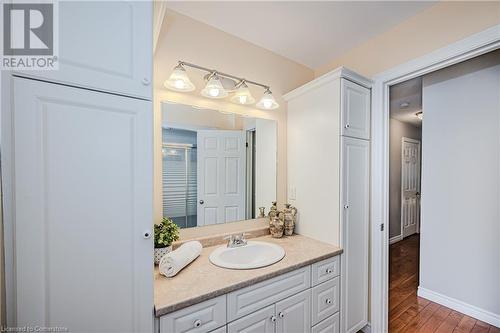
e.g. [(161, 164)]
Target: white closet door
[(355, 232), (104, 45), (83, 202), (355, 110), (221, 176)]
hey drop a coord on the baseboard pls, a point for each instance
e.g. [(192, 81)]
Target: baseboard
[(395, 239), (470, 310), (367, 328)]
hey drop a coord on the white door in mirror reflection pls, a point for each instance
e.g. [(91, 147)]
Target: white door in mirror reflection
[(221, 176)]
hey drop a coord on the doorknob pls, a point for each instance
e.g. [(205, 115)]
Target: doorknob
[(202, 202)]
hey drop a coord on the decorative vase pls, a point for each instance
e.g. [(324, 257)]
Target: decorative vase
[(277, 227), (160, 252), (289, 213)]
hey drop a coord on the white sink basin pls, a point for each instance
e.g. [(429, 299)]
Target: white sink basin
[(253, 255)]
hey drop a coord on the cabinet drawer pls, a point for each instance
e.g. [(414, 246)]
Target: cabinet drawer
[(329, 325), (222, 329), (247, 300), (262, 321), (325, 300), (202, 317), (325, 270)]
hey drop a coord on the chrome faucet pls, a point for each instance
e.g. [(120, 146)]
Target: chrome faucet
[(236, 240)]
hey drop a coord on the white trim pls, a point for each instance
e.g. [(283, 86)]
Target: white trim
[(395, 239), (367, 328), (472, 46), (462, 307), (159, 11), (328, 77)]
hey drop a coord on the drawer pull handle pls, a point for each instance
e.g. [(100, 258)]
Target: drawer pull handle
[(347, 125), (281, 314), (273, 319), (329, 271), (197, 323), (328, 301)]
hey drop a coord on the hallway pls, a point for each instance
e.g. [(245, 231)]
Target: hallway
[(410, 313)]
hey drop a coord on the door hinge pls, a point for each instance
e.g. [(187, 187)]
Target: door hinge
[(382, 227), (246, 144)]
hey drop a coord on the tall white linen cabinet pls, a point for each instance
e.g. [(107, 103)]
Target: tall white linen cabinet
[(328, 151), (77, 173)]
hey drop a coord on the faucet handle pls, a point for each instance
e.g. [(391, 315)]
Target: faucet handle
[(243, 235)]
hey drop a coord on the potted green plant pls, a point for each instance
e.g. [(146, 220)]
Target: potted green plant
[(166, 233)]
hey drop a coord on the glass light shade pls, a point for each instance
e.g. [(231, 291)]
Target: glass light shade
[(179, 81), (267, 102), (243, 95), (420, 115), (214, 88)]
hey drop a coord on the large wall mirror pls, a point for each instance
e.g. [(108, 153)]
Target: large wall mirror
[(217, 167)]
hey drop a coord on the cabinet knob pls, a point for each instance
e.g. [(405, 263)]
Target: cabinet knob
[(347, 126), (346, 206), (328, 301), (202, 202), (146, 234), (273, 319), (197, 323), (145, 81), (329, 271), (281, 314)]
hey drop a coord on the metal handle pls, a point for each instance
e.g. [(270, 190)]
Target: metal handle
[(147, 234), (328, 301), (281, 314), (202, 202), (346, 206), (347, 126), (329, 271), (146, 81), (197, 323), (273, 319)]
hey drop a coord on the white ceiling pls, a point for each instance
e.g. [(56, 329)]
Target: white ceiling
[(310, 33), (406, 92)]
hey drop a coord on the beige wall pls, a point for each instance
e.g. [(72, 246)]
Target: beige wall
[(182, 38), (431, 29)]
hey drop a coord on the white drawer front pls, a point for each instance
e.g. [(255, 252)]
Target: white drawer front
[(329, 325), (325, 300), (325, 270), (247, 300), (222, 329), (202, 317)]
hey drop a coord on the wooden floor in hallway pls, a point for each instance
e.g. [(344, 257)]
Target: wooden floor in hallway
[(410, 313)]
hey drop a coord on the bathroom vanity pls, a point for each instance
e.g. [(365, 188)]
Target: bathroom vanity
[(300, 293)]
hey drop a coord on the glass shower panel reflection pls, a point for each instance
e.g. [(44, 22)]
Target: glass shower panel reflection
[(179, 184)]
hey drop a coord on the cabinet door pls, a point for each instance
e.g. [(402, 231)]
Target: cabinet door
[(329, 325), (294, 313), (355, 224), (355, 105), (83, 203), (104, 45), (262, 321)]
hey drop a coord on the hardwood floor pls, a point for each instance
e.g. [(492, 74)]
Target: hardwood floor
[(410, 313)]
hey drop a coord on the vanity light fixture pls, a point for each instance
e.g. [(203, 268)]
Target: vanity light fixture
[(178, 80), (267, 102), (420, 115), (220, 85), (243, 95), (214, 87)]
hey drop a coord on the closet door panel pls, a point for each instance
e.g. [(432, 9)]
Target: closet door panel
[(355, 110), (83, 202), (104, 46), (355, 233)]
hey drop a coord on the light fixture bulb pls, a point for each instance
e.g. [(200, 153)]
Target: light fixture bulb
[(267, 102), (179, 81), (214, 88), (243, 95)]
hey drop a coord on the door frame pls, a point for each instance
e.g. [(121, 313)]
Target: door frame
[(472, 46), (403, 140)]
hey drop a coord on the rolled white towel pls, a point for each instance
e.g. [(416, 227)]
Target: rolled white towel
[(173, 262)]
